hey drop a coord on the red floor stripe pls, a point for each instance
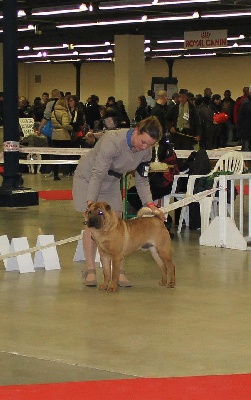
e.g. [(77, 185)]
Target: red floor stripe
[(55, 194), (223, 387)]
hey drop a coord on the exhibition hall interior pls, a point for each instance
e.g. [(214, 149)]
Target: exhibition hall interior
[(61, 339)]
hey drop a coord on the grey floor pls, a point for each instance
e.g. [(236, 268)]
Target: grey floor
[(54, 329)]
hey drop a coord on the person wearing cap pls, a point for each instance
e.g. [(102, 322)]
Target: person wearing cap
[(185, 125), (244, 122)]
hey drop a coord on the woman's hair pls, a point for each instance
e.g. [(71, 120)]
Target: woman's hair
[(152, 126), (62, 102), (75, 99), (143, 102)]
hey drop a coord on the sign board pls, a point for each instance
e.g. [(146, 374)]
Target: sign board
[(205, 39), (26, 125)]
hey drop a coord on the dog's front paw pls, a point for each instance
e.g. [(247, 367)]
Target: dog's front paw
[(112, 288), (170, 285), (104, 286)]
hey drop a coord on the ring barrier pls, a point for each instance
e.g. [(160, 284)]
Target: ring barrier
[(17, 255), (231, 228)]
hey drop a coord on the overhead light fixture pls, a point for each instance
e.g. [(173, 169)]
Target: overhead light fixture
[(27, 28), (171, 41), (178, 17), (56, 11), (132, 4), (92, 45), (200, 55), (63, 46), (227, 14), (96, 53), (83, 7), (21, 13), (100, 59), (166, 50), (147, 49), (144, 18), (90, 8)]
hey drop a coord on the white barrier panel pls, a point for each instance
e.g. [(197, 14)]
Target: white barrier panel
[(48, 257), (22, 263), (227, 229), (4, 247)]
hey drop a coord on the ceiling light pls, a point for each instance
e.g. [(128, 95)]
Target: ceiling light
[(114, 6), (21, 13), (178, 17), (171, 41), (90, 8), (92, 45), (147, 49), (51, 47), (55, 11), (227, 14), (144, 18), (83, 7), (196, 15), (200, 55), (162, 50), (99, 59), (95, 53)]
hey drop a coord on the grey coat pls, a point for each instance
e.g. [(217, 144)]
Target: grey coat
[(91, 180)]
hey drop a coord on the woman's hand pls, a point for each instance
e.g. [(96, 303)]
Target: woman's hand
[(156, 210)]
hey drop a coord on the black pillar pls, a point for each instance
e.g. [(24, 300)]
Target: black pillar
[(12, 192), (170, 63), (78, 65), (12, 177)]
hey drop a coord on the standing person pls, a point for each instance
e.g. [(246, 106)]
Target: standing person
[(77, 123), (97, 178), (238, 103), (160, 110), (61, 137), (142, 110), (92, 110), (55, 95), (244, 122), (185, 123), (150, 98), (227, 106)]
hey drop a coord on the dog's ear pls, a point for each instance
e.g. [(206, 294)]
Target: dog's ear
[(108, 207)]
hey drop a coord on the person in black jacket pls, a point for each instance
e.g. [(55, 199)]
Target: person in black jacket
[(185, 123), (244, 123)]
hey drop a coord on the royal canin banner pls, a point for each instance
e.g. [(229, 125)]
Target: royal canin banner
[(200, 39)]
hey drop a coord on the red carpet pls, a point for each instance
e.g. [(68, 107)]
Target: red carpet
[(225, 387), (55, 194)]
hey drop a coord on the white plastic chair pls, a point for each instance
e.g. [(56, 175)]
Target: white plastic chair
[(231, 161)]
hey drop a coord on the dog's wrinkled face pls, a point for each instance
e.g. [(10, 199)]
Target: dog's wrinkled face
[(95, 215)]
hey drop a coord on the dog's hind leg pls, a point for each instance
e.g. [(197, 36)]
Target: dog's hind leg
[(164, 261), (106, 264)]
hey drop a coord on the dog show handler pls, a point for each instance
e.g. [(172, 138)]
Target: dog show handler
[(97, 178)]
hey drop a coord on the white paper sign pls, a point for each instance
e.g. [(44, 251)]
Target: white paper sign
[(27, 125)]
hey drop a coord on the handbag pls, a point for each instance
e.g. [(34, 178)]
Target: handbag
[(47, 129)]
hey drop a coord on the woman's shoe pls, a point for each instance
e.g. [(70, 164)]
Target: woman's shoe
[(124, 283), (90, 283)]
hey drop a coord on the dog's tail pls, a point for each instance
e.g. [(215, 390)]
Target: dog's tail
[(147, 212)]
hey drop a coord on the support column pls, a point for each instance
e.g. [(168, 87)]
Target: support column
[(12, 193), (129, 70), (78, 66)]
